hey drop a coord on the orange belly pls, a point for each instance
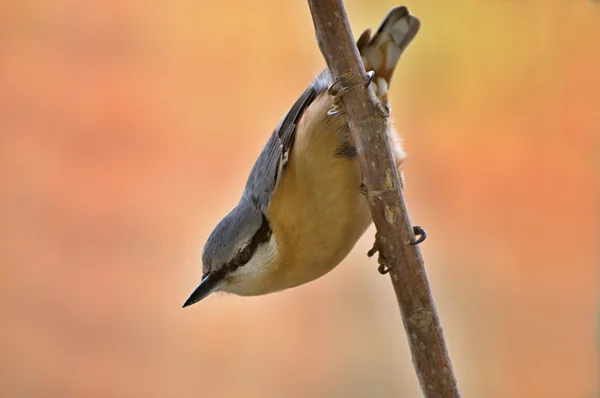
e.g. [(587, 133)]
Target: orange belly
[(317, 212)]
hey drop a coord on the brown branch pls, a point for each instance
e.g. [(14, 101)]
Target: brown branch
[(367, 122)]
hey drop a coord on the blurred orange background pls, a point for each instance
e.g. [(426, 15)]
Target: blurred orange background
[(128, 130)]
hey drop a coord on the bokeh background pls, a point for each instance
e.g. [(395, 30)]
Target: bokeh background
[(127, 130)]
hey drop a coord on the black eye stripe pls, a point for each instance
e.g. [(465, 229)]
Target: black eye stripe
[(261, 236)]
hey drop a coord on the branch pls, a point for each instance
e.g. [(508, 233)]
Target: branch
[(367, 123)]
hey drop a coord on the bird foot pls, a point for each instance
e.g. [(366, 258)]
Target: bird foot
[(420, 236), (381, 260), (340, 87)]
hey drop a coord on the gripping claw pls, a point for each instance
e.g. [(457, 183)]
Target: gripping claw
[(383, 269), (373, 250), (336, 109), (370, 76), (420, 233), (338, 88)]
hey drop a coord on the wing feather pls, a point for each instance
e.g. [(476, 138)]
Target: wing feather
[(271, 162)]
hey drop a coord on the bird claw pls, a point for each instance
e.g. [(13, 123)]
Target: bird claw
[(383, 269), (338, 88), (332, 89), (420, 233), (364, 190), (374, 249), (370, 76), (336, 109)]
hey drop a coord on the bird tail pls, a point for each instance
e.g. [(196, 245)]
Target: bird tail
[(381, 52)]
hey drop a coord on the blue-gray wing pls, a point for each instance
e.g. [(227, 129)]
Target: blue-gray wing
[(271, 162)]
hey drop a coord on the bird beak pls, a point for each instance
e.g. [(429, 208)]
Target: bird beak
[(210, 284)]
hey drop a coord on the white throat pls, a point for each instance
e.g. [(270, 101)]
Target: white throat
[(244, 279)]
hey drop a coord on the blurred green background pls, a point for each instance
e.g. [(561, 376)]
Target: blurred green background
[(127, 131)]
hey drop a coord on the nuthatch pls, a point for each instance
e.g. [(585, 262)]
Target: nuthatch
[(302, 210)]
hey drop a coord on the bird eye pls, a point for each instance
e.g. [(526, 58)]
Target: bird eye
[(243, 257)]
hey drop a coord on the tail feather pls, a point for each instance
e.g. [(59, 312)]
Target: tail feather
[(382, 52), (363, 40)]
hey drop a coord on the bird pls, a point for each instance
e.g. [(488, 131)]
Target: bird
[(302, 210)]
